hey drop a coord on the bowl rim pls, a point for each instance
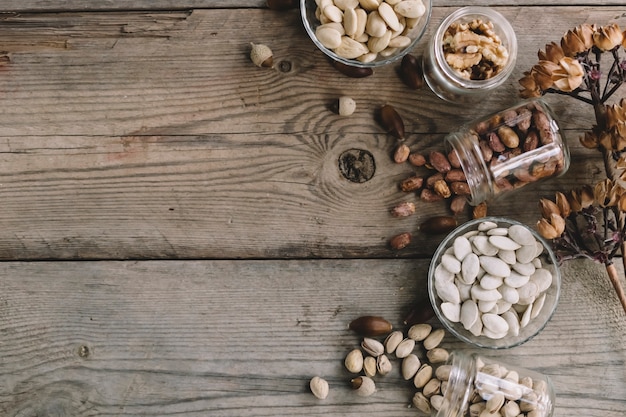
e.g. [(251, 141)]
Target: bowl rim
[(353, 62), (483, 341)]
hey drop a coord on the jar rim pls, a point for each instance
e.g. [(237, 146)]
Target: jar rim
[(502, 27)]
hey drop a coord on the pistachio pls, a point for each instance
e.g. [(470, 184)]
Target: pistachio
[(431, 388), (372, 346), (363, 385), (434, 339), (405, 348), (370, 326), (494, 403), (421, 403), (369, 366), (423, 375), (354, 361), (319, 387), (436, 401), (443, 372), (391, 121), (261, 55), (419, 332), (437, 355), (393, 340), (383, 364), (410, 365)]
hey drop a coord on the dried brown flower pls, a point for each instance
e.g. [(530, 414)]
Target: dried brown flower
[(569, 76), (608, 37), (552, 53), (563, 204), (529, 85), (578, 40)]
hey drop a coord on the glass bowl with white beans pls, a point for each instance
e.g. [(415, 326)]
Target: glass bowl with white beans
[(494, 282), (365, 33)]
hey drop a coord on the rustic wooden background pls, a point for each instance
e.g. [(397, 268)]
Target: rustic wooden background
[(177, 239)]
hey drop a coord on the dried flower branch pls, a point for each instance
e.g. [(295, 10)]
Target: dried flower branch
[(588, 222), (585, 223)]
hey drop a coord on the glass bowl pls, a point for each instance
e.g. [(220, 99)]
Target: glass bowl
[(511, 284), (311, 22)]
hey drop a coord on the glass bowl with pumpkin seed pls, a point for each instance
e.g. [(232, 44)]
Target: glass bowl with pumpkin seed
[(365, 33), (494, 282)]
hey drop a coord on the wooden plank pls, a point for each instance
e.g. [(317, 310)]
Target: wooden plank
[(243, 338), (151, 135), (84, 5)]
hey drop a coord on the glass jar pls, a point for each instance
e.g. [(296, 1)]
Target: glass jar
[(459, 86), (509, 150), (477, 383)]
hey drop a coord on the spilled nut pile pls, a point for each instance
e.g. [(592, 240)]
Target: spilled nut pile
[(491, 280), (440, 382), (363, 29), (522, 130), (374, 358)]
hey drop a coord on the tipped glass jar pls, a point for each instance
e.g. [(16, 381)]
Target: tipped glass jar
[(477, 384), (472, 52), (510, 150)]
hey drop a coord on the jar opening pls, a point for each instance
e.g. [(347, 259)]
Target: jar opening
[(503, 30)]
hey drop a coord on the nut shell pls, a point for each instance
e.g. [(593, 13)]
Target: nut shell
[(261, 55), (319, 387)]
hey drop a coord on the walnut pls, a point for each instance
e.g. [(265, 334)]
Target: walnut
[(463, 61), (474, 50)]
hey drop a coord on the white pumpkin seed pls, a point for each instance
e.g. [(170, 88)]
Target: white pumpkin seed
[(503, 242), (469, 314), (451, 311), (521, 235), (461, 247)]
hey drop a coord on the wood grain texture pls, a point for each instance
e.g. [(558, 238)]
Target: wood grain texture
[(243, 338), (104, 5), (151, 135)]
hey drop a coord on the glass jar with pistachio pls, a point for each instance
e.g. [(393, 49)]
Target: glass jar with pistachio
[(509, 150), (477, 385)]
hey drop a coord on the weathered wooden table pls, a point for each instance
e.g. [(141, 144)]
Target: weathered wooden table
[(177, 238)]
